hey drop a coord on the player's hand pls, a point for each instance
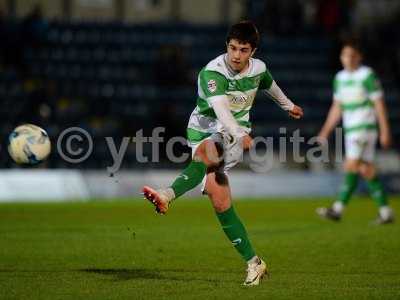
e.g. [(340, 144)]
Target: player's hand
[(322, 139), (247, 142), (385, 139), (296, 112)]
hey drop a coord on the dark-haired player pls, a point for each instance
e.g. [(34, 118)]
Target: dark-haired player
[(358, 98), (218, 132)]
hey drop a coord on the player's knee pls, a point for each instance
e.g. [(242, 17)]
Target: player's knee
[(210, 153), (367, 171), (352, 166)]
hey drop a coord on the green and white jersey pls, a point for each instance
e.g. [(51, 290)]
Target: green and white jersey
[(216, 80), (356, 91)]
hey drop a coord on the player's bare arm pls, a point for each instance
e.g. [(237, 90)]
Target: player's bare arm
[(384, 127), (334, 116)]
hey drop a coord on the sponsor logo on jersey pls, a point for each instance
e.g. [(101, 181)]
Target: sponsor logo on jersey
[(212, 85), (239, 100)]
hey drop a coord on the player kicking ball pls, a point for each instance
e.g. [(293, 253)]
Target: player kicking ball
[(358, 96), (218, 132)]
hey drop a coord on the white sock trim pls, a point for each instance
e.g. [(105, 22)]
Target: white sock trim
[(254, 260)]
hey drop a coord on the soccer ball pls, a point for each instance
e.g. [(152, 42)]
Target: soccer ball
[(29, 144)]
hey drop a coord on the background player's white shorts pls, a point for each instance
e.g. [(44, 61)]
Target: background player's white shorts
[(361, 145)]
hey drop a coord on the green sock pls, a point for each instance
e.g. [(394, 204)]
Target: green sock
[(348, 187), (236, 233), (377, 192), (189, 178)]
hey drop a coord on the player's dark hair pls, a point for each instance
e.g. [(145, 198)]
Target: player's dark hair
[(354, 44), (244, 32)]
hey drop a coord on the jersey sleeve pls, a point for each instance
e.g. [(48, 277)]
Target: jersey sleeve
[(373, 86), (213, 84), (266, 80)]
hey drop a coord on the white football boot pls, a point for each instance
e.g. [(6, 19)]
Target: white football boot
[(255, 272)]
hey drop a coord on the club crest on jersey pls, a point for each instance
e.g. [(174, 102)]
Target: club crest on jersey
[(212, 85)]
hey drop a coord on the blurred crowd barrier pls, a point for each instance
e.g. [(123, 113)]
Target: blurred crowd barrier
[(67, 185)]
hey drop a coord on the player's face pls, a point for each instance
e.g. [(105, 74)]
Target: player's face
[(350, 58), (239, 54)]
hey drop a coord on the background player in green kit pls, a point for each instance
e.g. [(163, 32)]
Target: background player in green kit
[(358, 97), (218, 132)]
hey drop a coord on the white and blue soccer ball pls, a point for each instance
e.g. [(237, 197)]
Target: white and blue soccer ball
[(29, 144)]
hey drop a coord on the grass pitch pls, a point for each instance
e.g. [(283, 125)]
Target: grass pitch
[(123, 250)]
